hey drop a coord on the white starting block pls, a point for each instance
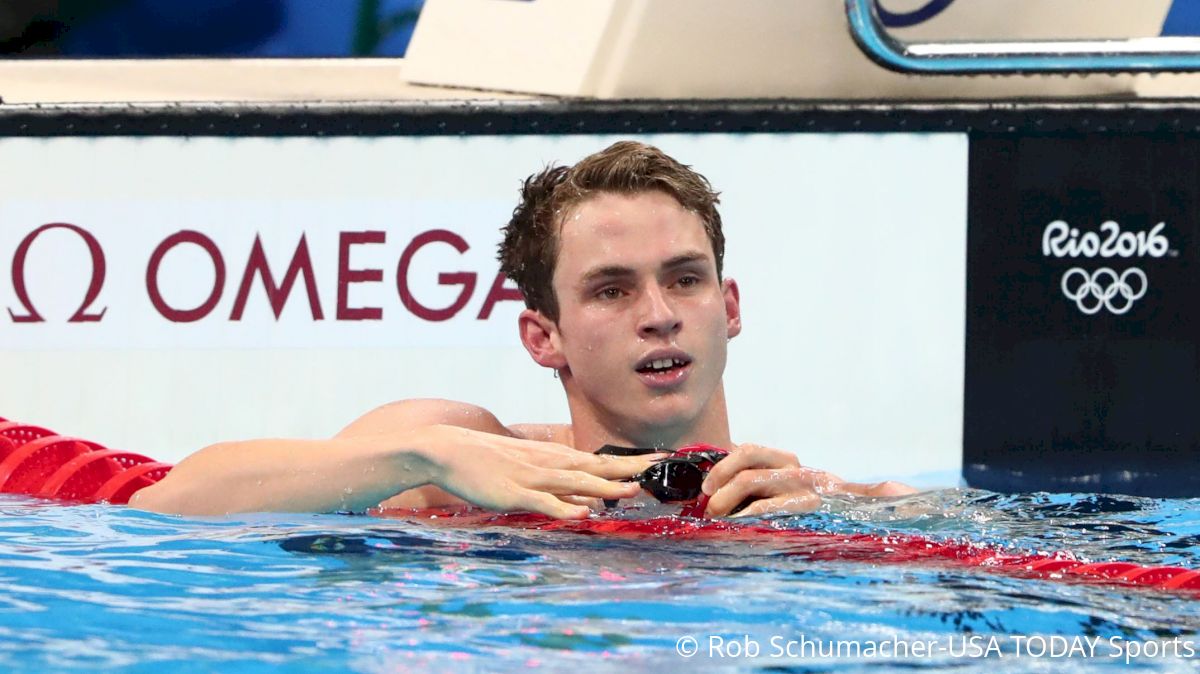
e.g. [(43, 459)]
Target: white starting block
[(744, 48)]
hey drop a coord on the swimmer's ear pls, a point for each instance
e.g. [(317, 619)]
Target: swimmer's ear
[(541, 339), (733, 308)]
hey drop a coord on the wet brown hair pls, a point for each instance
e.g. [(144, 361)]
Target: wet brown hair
[(530, 248)]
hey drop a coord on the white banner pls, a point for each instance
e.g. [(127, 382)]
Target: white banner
[(162, 294), (285, 272)]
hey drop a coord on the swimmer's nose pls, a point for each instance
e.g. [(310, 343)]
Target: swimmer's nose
[(658, 315)]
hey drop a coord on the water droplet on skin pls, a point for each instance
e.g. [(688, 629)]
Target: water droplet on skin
[(348, 490)]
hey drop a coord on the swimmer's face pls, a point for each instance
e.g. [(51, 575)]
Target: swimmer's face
[(643, 319)]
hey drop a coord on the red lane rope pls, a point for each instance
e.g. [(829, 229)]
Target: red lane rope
[(824, 546), (38, 462), (120, 487)]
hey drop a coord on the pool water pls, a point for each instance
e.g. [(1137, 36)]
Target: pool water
[(102, 588)]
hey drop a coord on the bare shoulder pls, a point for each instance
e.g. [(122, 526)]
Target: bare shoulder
[(560, 433), (417, 412)]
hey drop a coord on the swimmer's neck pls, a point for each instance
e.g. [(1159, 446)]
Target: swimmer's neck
[(590, 429)]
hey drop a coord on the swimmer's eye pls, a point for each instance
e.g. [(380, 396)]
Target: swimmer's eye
[(688, 281), (610, 293)]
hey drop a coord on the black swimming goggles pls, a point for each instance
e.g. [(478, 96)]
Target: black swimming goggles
[(677, 478)]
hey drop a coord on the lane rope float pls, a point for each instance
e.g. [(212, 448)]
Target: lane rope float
[(37, 462)]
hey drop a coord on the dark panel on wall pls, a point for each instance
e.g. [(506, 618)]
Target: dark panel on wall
[(1082, 322)]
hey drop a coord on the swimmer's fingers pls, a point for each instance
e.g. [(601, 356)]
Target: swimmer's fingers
[(562, 507), (793, 503), (804, 485), (603, 465), (756, 484), (501, 494), (789, 490), (592, 503), (550, 455), (614, 467), (578, 483), (540, 502), (746, 457)]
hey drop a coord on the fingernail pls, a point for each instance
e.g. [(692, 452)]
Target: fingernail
[(706, 487)]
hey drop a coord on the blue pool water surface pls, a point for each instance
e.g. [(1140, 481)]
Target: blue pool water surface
[(101, 588)]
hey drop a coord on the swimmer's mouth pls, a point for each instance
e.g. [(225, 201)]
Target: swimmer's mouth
[(663, 364)]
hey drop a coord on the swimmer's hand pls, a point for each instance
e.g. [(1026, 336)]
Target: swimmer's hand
[(508, 474), (776, 483)]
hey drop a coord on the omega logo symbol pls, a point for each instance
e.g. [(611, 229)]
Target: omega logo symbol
[(81, 315)]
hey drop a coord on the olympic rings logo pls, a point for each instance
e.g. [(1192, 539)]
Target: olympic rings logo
[(1104, 288)]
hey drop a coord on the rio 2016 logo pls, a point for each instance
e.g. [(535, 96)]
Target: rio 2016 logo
[(1104, 288)]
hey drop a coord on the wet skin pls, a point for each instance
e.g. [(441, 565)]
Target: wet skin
[(644, 321), (637, 287)]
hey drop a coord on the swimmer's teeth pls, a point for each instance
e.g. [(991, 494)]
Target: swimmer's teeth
[(665, 364)]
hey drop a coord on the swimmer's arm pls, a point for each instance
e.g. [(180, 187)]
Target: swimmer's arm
[(397, 448), (408, 413), (350, 474), (363, 465), (431, 496)]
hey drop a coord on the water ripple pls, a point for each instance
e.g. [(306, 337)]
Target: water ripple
[(112, 589)]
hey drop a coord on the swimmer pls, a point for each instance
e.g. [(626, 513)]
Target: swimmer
[(619, 258)]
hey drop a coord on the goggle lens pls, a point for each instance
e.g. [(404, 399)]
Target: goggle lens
[(672, 480), (678, 477)]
